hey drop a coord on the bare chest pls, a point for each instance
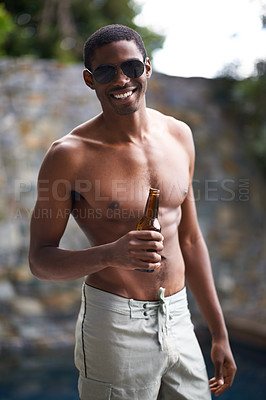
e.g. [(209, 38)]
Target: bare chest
[(117, 181)]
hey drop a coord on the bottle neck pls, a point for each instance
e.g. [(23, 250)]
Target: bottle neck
[(152, 205)]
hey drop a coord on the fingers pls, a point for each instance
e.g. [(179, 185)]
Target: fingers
[(144, 248), (147, 246), (218, 387), (137, 250), (146, 256), (147, 267), (219, 372), (148, 235), (215, 386), (147, 240), (225, 368), (147, 261)]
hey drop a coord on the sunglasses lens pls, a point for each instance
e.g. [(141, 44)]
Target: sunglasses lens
[(133, 68), (104, 73)]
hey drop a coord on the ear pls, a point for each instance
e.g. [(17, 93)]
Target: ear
[(88, 79), (148, 68)]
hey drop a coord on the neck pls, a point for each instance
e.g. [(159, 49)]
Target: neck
[(126, 128)]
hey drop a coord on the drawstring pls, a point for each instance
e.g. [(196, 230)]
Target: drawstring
[(161, 308)]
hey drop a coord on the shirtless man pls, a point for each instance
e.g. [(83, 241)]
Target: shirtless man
[(134, 337)]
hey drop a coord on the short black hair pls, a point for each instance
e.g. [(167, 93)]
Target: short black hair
[(109, 34)]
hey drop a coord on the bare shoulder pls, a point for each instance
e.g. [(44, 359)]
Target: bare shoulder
[(59, 156), (65, 155), (176, 128), (69, 149)]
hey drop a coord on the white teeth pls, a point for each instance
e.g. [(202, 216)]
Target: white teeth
[(123, 95)]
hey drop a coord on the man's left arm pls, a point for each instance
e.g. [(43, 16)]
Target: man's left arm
[(200, 280)]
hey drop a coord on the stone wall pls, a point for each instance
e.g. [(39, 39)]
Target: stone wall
[(43, 100)]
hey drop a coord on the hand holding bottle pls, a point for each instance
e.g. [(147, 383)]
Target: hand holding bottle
[(136, 250), (139, 250)]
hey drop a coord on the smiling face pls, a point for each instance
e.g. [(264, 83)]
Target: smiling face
[(123, 95)]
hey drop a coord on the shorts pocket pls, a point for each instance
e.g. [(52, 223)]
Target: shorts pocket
[(90, 389)]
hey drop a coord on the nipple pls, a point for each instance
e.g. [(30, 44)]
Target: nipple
[(114, 205)]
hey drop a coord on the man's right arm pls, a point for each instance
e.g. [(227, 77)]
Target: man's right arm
[(49, 220)]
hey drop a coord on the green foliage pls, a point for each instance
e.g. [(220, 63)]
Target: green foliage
[(6, 26), (58, 28), (250, 102), (245, 102)]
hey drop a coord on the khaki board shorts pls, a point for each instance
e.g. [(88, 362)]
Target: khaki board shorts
[(138, 350)]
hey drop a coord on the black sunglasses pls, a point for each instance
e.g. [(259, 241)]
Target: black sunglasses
[(105, 73)]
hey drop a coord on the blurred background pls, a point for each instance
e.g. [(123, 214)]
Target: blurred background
[(209, 62)]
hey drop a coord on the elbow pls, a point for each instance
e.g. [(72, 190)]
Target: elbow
[(189, 241), (35, 268)]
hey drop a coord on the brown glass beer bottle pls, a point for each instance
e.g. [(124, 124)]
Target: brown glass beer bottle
[(150, 221)]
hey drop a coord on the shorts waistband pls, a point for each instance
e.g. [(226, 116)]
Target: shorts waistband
[(136, 308)]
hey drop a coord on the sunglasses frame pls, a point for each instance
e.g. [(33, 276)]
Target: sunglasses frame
[(120, 66)]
